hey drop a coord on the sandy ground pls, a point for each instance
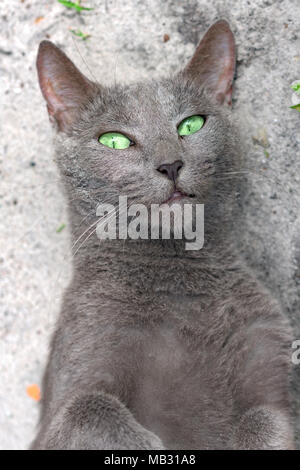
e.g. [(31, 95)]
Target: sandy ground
[(126, 43)]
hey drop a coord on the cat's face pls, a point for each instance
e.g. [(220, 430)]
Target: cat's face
[(160, 164), (149, 115)]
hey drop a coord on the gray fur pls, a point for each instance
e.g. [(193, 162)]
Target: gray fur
[(157, 347)]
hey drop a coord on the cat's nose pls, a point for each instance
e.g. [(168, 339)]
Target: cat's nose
[(171, 170)]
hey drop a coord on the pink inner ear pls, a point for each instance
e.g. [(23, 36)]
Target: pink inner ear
[(54, 103), (59, 109), (225, 82), (64, 87)]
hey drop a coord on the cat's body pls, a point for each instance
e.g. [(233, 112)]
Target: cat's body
[(156, 346)]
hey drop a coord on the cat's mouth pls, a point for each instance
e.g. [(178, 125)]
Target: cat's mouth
[(177, 196)]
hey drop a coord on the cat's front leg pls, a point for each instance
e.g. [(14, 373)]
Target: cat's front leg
[(265, 429), (96, 421)]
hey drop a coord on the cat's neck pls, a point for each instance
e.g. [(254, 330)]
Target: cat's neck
[(152, 263), (133, 270), (218, 248), (127, 269), (218, 234)]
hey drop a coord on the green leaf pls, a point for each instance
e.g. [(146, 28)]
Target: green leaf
[(60, 228), (77, 5), (296, 106), (80, 34), (296, 87)]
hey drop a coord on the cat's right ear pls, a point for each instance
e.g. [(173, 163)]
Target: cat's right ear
[(64, 87)]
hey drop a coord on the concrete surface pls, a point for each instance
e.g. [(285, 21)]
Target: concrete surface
[(126, 43)]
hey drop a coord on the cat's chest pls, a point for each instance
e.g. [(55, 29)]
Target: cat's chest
[(179, 385)]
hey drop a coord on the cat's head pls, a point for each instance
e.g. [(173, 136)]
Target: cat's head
[(151, 141)]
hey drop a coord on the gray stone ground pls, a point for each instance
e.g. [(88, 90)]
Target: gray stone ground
[(126, 43)]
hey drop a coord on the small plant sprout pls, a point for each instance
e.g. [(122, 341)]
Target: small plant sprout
[(296, 87), (80, 34), (76, 5), (296, 96), (296, 106), (60, 228)]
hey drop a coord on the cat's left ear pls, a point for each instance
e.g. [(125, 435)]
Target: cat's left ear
[(213, 63)]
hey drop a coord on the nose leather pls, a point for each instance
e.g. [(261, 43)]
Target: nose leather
[(171, 170)]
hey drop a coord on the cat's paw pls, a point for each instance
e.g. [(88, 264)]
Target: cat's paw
[(264, 428), (99, 422)]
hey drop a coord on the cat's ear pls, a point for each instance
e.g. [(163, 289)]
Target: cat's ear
[(64, 88), (213, 63)]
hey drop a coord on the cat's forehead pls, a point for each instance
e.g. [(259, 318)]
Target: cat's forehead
[(156, 99), (149, 105)]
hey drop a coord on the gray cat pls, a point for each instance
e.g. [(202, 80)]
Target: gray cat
[(157, 347)]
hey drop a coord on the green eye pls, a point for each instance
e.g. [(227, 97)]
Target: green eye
[(190, 125), (115, 140)]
